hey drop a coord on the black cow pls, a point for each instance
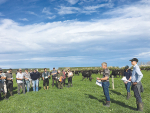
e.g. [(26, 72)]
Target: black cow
[(117, 72), (87, 74), (76, 72), (94, 71)]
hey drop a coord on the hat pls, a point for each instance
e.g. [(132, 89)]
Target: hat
[(53, 67), (20, 69), (35, 69), (134, 59), (26, 68), (0, 69), (126, 67), (10, 69)]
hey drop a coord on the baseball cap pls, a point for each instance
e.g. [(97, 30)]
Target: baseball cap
[(134, 59)]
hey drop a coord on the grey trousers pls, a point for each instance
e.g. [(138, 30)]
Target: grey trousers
[(23, 87)]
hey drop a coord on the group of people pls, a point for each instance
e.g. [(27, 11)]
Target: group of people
[(27, 79), (133, 81)]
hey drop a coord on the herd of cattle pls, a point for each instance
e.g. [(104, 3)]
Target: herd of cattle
[(88, 73)]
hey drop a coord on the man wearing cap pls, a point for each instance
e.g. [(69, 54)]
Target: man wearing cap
[(3, 83), (27, 78), (20, 81), (136, 83), (35, 79), (127, 74), (10, 81), (54, 76), (45, 76)]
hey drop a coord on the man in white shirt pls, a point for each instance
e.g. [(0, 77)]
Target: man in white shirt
[(20, 81)]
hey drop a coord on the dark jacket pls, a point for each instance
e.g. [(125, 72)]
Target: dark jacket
[(35, 76)]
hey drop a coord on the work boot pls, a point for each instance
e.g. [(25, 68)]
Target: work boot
[(0, 97), (107, 104), (44, 88), (6, 97), (140, 108), (47, 87), (128, 95), (137, 103), (11, 93)]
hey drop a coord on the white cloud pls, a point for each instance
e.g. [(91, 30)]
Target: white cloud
[(52, 17), (24, 19), (46, 11), (67, 10), (40, 36), (143, 55), (97, 6), (32, 13), (72, 1), (2, 1)]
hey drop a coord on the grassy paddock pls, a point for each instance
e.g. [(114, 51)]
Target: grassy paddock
[(83, 97)]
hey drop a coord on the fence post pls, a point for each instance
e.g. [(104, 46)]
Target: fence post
[(113, 82)]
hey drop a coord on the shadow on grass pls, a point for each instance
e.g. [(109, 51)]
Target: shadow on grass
[(113, 91), (93, 97), (122, 104)]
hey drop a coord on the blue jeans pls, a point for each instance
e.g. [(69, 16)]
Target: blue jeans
[(128, 86), (28, 85), (35, 84), (106, 90)]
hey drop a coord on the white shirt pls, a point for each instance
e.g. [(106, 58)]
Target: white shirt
[(19, 75)]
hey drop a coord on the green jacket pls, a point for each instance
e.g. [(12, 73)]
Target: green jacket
[(60, 74)]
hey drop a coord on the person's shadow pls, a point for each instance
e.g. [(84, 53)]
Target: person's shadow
[(92, 97), (112, 101), (122, 104), (113, 91)]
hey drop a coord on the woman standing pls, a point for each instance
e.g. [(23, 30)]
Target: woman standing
[(70, 74), (128, 75)]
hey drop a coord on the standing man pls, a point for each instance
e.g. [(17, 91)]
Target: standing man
[(10, 81), (105, 83), (54, 76), (60, 79), (127, 74), (27, 78), (136, 83), (3, 83), (35, 79), (45, 76), (20, 81)]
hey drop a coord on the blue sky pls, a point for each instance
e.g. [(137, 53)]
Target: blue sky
[(73, 33)]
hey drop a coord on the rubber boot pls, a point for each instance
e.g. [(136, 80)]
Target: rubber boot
[(44, 88), (107, 104), (128, 95), (140, 104), (137, 103), (6, 97), (11, 93), (0, 97), (47, 87), (68, 85)]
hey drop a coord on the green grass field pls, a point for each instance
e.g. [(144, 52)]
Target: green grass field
[(83, 97)]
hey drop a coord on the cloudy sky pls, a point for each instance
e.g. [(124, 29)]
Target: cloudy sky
[(73, 33)]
